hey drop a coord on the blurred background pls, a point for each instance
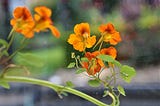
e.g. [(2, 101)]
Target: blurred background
[(46, 57)]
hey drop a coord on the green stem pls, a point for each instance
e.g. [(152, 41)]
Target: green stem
[(10, 34), (53, 86), (11, 41)]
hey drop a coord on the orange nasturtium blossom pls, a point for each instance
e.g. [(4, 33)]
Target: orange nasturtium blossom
[(81, 38), (94, 64), (23, 22), (109, 51), (109, 33), (43, 20)]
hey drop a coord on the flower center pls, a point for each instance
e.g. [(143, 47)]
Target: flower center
[(85, 35), (108, 36)]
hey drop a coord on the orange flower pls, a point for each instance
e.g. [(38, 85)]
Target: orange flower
[(109, 34), (81, 38), (22, 21), (109, 51), (94, 64), (43, 20)]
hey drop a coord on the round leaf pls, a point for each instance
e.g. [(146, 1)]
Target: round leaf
[(94, 83)]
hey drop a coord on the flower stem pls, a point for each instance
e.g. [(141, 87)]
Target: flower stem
[(54, 87)]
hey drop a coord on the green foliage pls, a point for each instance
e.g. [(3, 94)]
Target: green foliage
[(105, 93), (71, 65), (80, 70), (105, 58), (3, 48), (70, 84), (18, 70), (149, 18), (4, 84), (121, 90), (29, 59), (108, 58), (43, 61), (84, 59), (127, 73), (94, 83)]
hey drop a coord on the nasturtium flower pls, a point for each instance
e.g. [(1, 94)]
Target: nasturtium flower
[(109, 51), (109, 33), (81, 38), (43, 20), (93, 65), (23, 22)]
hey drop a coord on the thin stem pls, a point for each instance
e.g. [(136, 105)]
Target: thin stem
[(11, 41), (10, 34), (113, 98), (100, 46), (13, 54), (54, 87)]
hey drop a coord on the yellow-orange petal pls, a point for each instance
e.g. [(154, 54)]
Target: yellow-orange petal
[(79, 46), (29, 34), (82, 28), (54, 31), (73, 39), (37, 17), (116, 38), (43, 11), (90, 41)]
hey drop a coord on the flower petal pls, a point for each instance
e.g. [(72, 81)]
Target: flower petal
[(82, 28), (43, 11), (91, 41), (54, 31), (109, 51)]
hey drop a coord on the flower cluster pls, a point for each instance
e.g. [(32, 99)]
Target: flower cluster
[(23, 22), (81, 40), (101, 54)]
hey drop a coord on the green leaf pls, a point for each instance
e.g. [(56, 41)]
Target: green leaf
[(3, 42), (29, 59), (71, 65), (3, 48), (127, 73), (121, 90), (70, 84), (4, 84), (80, 70), (117, 63), (94, 83), (84, 59), (108, 58), (18, 70), (105, 58)]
